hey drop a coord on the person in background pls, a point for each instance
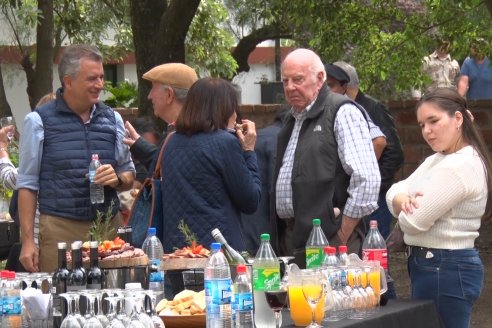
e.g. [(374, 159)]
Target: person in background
[(146, 128), (441, 205), (170, 85), (325, 159), (391, 158), (442, 70), (253, 225), (55, 151), (476, 74), (211, 172)]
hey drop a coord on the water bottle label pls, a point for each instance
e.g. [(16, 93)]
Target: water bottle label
[(266, 279), (244, 302), (156, 276), (12, 305), (91, 175), (218, 292), (380, 255), (314, 257)]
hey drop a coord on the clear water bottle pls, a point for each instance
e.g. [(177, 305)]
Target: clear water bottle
[(218, 291), (266, 276), (330, 257), (12, 305), (242, 302), (314, 246), (152, 246), (342, 256), (97, 190)]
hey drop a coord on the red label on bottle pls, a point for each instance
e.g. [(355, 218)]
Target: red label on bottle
[(380, 255)]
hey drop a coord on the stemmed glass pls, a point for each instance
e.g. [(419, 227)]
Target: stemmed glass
[(135, 320), (156, 320), (285, 260), (114, 322), (277, 299), (313, 289), (92, 321), (7, 121), (75, 298), (70, 320)]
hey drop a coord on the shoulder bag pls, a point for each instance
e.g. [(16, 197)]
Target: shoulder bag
[(147, 208)]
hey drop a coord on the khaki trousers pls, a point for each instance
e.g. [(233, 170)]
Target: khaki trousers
[(55, 229)]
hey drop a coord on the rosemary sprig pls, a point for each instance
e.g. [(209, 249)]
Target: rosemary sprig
[(101, 228), (189, 236)]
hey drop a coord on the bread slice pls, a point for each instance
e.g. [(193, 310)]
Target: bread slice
[(161, 305), (184, 296)]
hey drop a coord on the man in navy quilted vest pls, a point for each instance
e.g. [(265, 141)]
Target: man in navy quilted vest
[(55, 151)]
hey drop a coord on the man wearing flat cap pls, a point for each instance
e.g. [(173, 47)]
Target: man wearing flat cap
[(170, 84)]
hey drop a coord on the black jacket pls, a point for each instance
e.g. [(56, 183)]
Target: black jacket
[(391, 159)]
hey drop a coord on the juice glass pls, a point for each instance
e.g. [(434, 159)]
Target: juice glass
[(300, 311)]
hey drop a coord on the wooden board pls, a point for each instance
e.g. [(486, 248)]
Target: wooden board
[(118, 262), (183, 263)]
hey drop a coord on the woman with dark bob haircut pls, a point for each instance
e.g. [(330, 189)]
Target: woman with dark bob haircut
[(441, 205), (209, 169)]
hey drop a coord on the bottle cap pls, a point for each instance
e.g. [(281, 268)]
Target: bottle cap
[(215, 232), (265, 237), (215, 246), (326, 249), (151, 231), (342, 249), (95, 156), (373, 224), (316, 222), (241, 268), (332, 250), (76, 244), (94, 244), (62, 245)]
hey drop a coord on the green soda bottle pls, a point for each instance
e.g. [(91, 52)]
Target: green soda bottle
[(314, 246)]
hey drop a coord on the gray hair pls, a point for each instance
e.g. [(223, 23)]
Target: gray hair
[(72, 55), (179, 93), (351, 72)]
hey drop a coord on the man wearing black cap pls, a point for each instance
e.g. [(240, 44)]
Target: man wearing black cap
[(391, 157)]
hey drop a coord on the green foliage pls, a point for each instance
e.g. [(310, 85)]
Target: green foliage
[(124, 94), (208, 47), (101, 228)]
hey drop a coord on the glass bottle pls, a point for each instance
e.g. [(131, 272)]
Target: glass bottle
[(232, 256), (77, 278), (95, 275), (59, 285)]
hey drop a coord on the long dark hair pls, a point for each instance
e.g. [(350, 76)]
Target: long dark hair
[(208, 107), (450, 101)]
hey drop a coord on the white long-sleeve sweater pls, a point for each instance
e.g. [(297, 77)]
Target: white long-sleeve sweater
[(454, 191)]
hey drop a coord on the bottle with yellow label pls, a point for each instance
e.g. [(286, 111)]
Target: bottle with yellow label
[(314, 246), (266, 277)]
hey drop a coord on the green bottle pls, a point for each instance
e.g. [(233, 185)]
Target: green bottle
[(314, 246)]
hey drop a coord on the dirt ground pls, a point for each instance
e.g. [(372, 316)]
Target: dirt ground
[(481, 310)]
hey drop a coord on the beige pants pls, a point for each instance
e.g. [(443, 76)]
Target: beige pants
[(55, 229)]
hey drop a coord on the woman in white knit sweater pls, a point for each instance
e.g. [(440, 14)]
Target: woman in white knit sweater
[(441, 205)]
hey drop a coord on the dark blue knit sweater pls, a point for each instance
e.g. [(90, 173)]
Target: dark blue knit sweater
[(207, 181)]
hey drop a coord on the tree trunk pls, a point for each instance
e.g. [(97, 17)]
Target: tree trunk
[(4, 104), (159, 32)]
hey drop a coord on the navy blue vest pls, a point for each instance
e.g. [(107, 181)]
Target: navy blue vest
[(67, 148)]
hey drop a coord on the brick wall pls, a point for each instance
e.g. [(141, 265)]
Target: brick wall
[(414, 146)]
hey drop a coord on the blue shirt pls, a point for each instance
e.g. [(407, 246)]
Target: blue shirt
[(31, 150), (479, 79)]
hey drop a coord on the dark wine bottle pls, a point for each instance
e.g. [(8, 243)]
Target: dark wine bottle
[(77, 279), (59, 286), (95, 275), (232, 256)]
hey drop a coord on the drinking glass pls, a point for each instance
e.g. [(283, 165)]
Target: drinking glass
[(156, 320), (75, 299), (70, 320), (92, 321), (7, 121), (276, 300), (313, 289), (135, 321), (285, 260), (114, 322)]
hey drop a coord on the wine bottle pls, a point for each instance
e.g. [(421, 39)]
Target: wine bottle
[(77, 279), (95, 275), (232, 256), (59, 285)]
